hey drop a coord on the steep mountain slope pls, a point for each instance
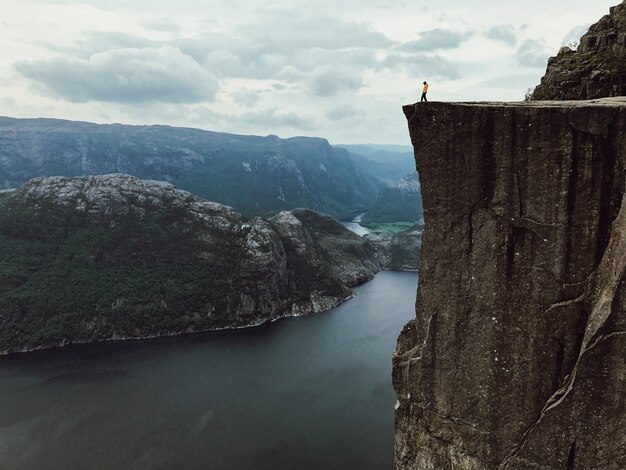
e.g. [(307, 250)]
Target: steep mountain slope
[(256, 175), (112, 256)]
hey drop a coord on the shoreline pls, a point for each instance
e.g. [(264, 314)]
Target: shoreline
[(63, 344)]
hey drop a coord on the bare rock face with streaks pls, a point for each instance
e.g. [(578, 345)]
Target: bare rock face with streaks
[(517, 356), (596, 69)]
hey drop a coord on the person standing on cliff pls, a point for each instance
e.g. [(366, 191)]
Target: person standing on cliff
[(424, 91)]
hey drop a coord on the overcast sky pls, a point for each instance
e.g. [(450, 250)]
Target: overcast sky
[(338, 69)]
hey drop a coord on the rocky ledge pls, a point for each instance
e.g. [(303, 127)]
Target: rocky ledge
[(515, 359), (106, 257)]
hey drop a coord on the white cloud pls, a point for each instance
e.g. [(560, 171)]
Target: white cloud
[(330, 81), (343, 111), (435, 39), (504, 33), (246, 97), (278, 119), (125, 76), (533, 53)]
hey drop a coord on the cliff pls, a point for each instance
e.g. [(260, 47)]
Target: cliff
[(515, 359), (258, 176), (107, 257), (596, 69)]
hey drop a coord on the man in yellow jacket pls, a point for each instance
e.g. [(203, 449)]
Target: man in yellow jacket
[(424, 91)]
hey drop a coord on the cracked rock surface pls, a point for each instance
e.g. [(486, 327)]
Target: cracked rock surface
[(517, 356), (112, 257)]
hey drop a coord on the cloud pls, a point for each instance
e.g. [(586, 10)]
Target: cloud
[(330, 81), (435, 39), (287, 31), (163, 74), (245, 97), (271, 118), (520, 80), (574, 34), (343, 111), (89, 43), (163, 24), (421, 65), (504, 33), (317, 54), (533, 53)]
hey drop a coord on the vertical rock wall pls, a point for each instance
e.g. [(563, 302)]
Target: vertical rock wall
[(517, 356)]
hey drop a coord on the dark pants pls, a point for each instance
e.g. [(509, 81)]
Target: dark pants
[(423, 97)]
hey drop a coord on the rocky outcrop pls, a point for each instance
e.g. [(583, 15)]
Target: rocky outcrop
[(596, 69), (398, 251), (515, 359), (107, 257)]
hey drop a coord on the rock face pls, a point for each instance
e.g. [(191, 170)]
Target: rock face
[(516, 357), (105, 257), (259, 176), (398, 251), (596, 69)]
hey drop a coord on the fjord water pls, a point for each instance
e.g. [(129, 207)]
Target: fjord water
[(355, 225), (312, 392)]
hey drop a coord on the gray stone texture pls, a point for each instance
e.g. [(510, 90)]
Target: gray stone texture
[(517, 356)]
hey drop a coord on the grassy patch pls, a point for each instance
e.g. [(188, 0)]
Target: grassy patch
[(393, 227)]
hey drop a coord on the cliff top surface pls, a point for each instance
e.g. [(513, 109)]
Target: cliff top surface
[(614, 102)]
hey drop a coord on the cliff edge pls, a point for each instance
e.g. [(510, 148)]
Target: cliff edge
[(516, 357)]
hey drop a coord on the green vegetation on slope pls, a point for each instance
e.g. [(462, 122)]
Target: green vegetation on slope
[(132, 277)]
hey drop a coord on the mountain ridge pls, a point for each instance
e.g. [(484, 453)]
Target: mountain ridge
[(257, 175)]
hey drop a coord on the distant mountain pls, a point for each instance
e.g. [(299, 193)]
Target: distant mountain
[(379, 152), (256, 175), (402, 203), (389, 163), (108, 257)]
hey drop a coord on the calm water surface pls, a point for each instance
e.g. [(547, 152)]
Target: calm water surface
[(312, 392), (356, 227)]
